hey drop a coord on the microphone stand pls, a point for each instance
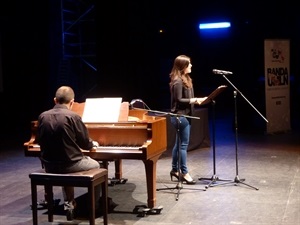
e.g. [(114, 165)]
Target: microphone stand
[(179, 185), (237, 180)]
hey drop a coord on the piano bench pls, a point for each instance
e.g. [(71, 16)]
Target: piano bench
[(89, 179)]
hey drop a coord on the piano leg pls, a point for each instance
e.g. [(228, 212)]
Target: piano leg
[(118, 174), (118, 169), (150, 167)]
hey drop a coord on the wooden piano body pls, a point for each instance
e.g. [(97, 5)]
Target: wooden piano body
[(142, 137)]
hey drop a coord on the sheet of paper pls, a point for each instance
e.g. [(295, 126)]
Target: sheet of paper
[(99, 110)]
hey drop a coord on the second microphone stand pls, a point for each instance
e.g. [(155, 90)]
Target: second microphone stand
[(179, 185)]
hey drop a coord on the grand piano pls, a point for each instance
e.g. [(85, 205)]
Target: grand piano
[(137, 136)]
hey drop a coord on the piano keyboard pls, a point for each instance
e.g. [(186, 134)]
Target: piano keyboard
[(105, 147), (119, 148)]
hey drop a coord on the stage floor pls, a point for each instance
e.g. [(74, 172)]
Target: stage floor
[(269, 163)]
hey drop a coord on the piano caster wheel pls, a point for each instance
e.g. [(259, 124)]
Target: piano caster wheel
[(114, 181), (143, 210), (44, 204), (140, 210), (111, 183), (155, 210), (123, 181)]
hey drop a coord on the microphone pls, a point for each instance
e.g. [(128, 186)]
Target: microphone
[(135, 100), (141, 105), (221, 72)]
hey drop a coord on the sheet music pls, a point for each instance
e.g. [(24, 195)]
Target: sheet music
[(99, 110)]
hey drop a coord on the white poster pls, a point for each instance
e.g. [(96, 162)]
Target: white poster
[(277, 85)]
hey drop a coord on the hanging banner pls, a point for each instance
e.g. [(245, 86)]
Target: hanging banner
[(277, 85)]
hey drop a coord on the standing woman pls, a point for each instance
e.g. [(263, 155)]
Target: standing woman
[(182, 103)]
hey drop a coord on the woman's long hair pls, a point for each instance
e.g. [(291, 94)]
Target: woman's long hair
[(181, 62)]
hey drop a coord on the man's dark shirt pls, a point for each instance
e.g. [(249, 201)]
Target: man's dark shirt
[(62, 135)]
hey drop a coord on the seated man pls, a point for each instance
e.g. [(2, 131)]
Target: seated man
[(62, 135)]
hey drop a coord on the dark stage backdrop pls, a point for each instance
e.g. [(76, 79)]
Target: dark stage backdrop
[(1, 73), (134, 59)]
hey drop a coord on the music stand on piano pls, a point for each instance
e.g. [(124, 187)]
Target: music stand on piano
[(106, 110)]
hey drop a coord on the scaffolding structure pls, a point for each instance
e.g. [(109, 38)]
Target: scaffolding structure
[(77, 66)]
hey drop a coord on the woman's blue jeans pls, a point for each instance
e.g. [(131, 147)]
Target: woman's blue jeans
[(182, 127)]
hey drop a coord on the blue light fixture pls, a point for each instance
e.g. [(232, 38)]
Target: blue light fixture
[(219, 25)]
